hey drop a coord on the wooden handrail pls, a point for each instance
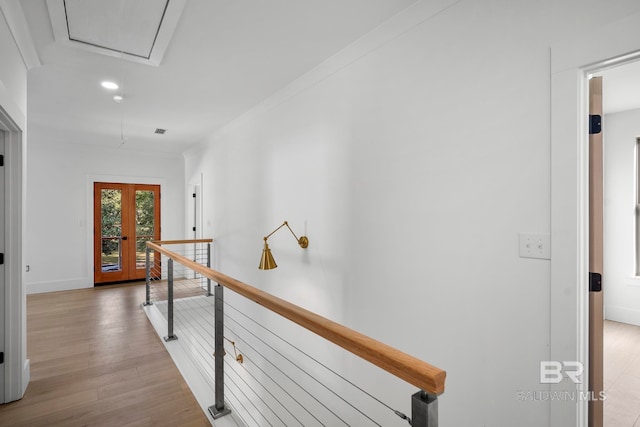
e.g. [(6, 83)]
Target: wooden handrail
[(179, 242), (404, 366)]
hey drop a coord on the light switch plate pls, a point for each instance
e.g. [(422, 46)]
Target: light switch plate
[(535, 245)]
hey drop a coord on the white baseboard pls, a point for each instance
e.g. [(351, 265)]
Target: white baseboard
[(26, 375), (59, 285), (622, 314)]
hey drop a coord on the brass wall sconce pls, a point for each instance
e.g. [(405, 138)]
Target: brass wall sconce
[(267, 262)]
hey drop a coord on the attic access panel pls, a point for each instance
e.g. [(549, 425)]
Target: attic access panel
[(135, 30)]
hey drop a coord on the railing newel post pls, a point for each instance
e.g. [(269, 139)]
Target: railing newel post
[(170, 335), (218, 409), (424, 409)]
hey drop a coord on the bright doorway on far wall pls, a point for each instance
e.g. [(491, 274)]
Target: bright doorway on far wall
[(126, 216)]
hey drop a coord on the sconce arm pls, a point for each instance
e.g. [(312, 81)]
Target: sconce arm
[(303, 241)]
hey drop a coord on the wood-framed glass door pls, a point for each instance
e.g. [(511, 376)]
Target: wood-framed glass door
[(126, 216)]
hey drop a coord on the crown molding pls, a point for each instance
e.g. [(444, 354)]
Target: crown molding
[(14, 15)]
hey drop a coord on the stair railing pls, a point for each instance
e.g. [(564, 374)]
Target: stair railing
[(154, 272), (428, 378)]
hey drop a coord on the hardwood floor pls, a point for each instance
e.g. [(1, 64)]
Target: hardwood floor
[(621, 374), (96, 361)]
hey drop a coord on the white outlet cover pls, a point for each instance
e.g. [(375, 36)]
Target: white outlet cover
[(535, 245)]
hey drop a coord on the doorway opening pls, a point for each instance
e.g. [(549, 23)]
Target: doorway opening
[(126, 216), (621, 278)]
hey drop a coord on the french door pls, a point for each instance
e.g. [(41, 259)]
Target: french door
[(126, 216)]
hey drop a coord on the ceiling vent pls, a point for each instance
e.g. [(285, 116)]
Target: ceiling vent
[(160, 131)]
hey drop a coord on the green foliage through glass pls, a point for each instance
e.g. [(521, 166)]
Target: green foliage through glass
[(111, 211), (144, 223)]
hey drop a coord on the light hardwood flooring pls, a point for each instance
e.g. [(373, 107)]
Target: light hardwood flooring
[(97, 361), (621, 374)]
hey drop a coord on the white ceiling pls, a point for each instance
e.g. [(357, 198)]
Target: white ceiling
[(224, 58), (218, 59), (131, 28)]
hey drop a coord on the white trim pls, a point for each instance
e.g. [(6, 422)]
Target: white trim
[(636, 203), (26, 375), (59, 285), (12, 110), (16, 365), (632, 281), (571, 61), (14, 15), (623, 314), (169, 24)]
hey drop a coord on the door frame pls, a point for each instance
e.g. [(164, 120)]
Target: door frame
[(572, 60), (91, 180), (16, 366), (129, 270), (596, 255), (3, 280)]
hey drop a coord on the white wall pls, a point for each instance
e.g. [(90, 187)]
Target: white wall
[(60, 212), (622, 288), (411, 160)]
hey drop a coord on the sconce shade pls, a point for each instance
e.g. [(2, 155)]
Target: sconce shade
[(266, 261)]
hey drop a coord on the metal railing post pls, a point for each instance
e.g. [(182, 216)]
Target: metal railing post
[(195, 258), (148, 278), (170, 336), (209, 266), (424, 409), (218, 409)]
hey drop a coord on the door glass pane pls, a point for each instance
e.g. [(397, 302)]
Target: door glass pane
[(145, 226), (111, 202)]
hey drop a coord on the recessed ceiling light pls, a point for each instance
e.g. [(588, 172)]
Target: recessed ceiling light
[(118, 98), (110, 85)]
